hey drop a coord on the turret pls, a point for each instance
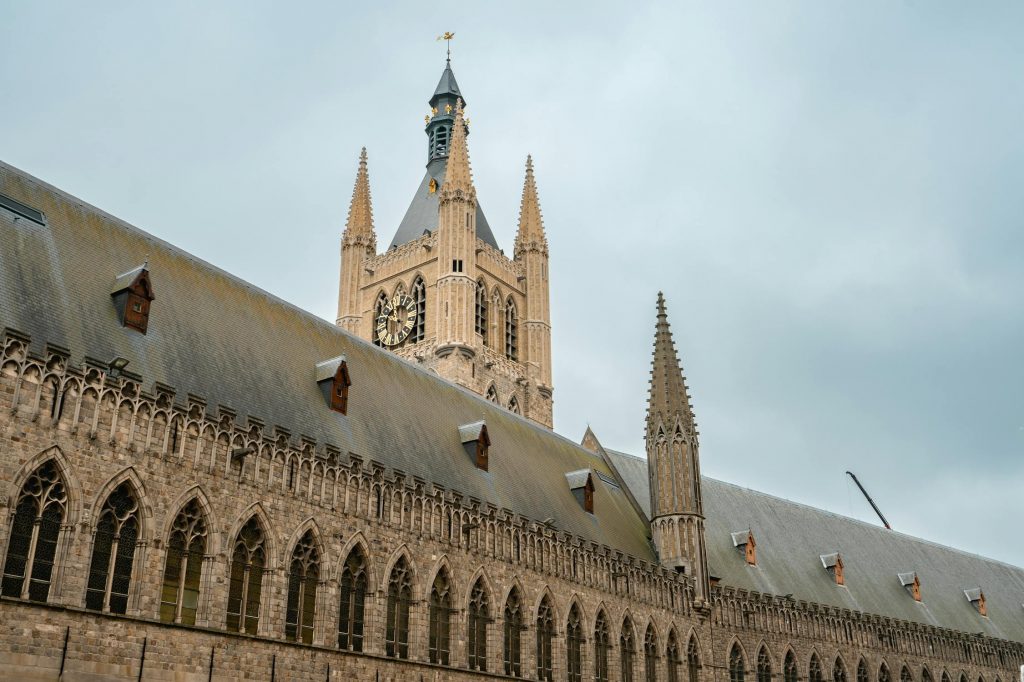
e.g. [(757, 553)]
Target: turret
[(673, 461), (531, 250), (456, 246), (357, 242)]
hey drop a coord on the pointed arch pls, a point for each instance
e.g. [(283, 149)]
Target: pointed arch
[(491, 394), (188, 544), (737, 662), (513, 624), (252, 556), (764, 663), (513, 405), (439, 613), (545, 620), (131, 476), (305, 566), (814, 670), (399, 577), (790, 672), (72, 485), (121, 529), (257, 510), (197, 493), (651, 652), (39, 531), (574, 629), (693, 664), (481, 324), (862, 670), (883, 672), (478, 612), (627, 648), (310, 525), (905, 674), (418, 293), (353, 584), (839, 669), (602, 646), (511, 330)]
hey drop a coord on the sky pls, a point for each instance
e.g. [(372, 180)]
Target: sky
[(829, 195)]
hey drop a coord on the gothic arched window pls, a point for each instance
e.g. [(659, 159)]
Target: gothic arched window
[(481, 310), (764, 666), (479, 613), (396, 636), (513, 405), (883, 674), (673, 657), (113, 552), (862, 671), (627, 650), (419, 325), (440, 618), (303, 576), (905, 675), (839, 671), (353, 601), (186, 547), (513, 629), (545, 633), (511, 330), (602, 643), (789, 673), (492, 394), (378, 310), (38, 515), (574, 645), (693, 660), (248, 561), (736, 664), (650, 655), (814, 669)]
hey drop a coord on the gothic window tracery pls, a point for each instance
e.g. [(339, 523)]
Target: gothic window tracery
[(545, 634), (905, 675), (481, 310), (789, 673), (672, 657), (862, 671), (692, 660), (492, 394), (511, 331), (186, 548), (883, 674), (764, 666), (248, 561), (479, 613), (513, 405), (650, 655), (602, 644), (814, 669), (419, 297), (736, 664), (396, 636), (303, 576), (839, 671), (353, 601), (440, 619), (627, 650), (574, 645), (513, 629), (113, 553), (32, 547)]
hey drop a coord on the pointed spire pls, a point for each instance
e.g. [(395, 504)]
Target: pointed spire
[(531, 223), (458, 175), (360, 212), (668, 399)]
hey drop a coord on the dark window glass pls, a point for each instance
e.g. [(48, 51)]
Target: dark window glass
[(303, 576), (353, 601), (248, 560), (39, 513), (476, 623), (396, 634), (113, 552), (186, 546)]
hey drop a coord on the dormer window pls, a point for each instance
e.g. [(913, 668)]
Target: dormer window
[(912, 583), (833, 563), (744, 542), (476, 442), (581, 483), (977, 599), (132, 294), (333, 379)]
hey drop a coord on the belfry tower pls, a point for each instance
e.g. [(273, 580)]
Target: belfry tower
[(673, 463), (444, 294)]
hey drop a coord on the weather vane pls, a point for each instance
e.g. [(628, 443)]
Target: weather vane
[(447, 37)]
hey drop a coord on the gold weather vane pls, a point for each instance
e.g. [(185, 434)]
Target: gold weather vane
[(448, 35)]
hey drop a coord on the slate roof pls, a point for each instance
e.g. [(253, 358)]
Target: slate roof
[(422, 212), (215, 336), (447, 85), (792, 539)]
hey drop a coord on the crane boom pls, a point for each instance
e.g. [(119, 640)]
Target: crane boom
[(870, 501)]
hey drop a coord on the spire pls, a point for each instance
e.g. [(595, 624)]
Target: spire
[(531, 223), (668, 399), (360, 212), (447, 88), (458, 175)]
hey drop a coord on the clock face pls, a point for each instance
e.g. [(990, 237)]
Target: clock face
[(396, 320)]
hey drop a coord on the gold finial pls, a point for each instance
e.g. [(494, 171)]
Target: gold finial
[(447, 36), (433, 111), (426, 119), (447, 108)]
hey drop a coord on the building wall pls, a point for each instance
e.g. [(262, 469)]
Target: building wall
[(106, 430)]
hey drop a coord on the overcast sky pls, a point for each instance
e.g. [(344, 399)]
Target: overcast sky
[(829, 194)]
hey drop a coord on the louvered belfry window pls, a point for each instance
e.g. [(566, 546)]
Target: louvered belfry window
[(186, 547), (439, 640), (353, 601), (481, 310), (574, 645), (248, 561), (650, 655), (303, 576), (479, 612), (545, 635), (39, 513), (113, 553), (511, 331), (396, 635), (513, 629), (419, 297)]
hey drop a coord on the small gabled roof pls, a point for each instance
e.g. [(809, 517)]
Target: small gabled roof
[(126, 279), (830, 560), (741, 537), (907, 579), (328, 368), (974, 594), (578, 479), (469, 433)]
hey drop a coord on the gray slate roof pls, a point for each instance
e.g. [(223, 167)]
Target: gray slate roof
[(447, 85), (422, 212), (792, 539), (215, 336)]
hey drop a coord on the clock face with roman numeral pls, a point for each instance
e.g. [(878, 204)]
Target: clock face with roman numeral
[(396, 320)]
